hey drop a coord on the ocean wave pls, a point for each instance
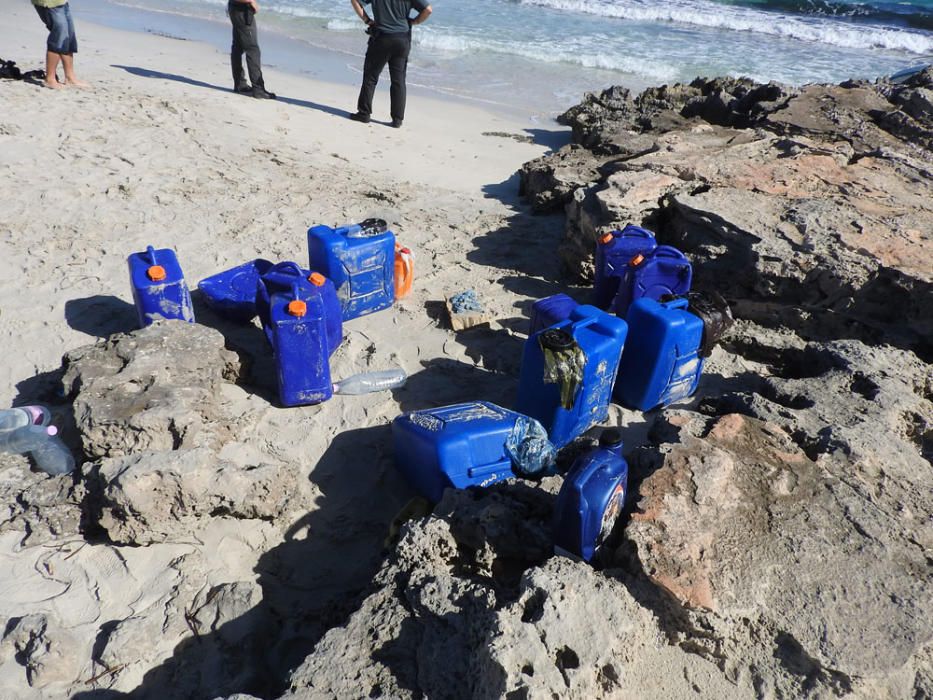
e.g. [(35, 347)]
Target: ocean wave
[(897, 13), (713, 16), (572, 53)]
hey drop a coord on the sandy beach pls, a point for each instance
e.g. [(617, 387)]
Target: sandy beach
[(213, 544), (160, 152)]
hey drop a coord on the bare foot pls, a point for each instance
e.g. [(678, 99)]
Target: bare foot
[(74, 82), (53, 84)]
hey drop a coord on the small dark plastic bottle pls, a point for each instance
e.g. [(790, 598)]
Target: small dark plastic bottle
[(591, 498)]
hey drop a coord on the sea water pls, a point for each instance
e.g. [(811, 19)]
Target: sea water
[(541, 55)]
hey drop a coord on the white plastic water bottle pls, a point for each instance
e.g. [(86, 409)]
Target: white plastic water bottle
[(368, 382), (43, 443), (13, 418)]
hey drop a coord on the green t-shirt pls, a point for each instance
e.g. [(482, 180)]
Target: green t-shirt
[(49, 3)]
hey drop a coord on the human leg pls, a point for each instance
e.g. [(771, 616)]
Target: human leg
[(52, 60), (245, 40), (52, 52), (376, 58), (70, 48), (398, 69), (236, 53)]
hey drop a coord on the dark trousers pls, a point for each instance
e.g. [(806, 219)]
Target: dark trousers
[(392, 49), (245, 40)]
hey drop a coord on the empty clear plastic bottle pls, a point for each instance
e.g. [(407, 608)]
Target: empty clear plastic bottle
[(368, 382), (20, 417), (43, 443), (369, 227)]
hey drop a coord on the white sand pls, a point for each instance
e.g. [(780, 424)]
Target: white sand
[(90, 176)]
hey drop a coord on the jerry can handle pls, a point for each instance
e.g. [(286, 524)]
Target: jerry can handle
[(288, 266), (668, 251), (636, 232), (150, 252), (585, 322), (677, 303)]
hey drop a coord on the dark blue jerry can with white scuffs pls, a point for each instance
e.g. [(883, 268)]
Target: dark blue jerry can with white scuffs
[(591, 499), (664, 271), (568, 371), (282, 277), (467, 444), (550, 310), (614, 250), (232, 293), (159, 289), (668, 343), (299, 341), (360, 260)]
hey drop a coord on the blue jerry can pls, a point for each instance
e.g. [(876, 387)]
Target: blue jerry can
[(282, 277), (568, 371), (665, 271), (299, 341), (550, 310), (232, 293), (614, 250), (467, 444), (159, 288), (591, 498), (360, 260), (662, 360)]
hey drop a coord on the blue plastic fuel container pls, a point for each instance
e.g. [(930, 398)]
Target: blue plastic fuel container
[(668, 343), (159, 288), (360, 260), (468, 444), (614, 250), (550, 310), (232, 293), (282, 277), (591, 498), (299, 341), (568, 371), (665, 271)]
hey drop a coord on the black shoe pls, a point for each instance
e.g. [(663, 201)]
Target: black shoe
[(360, 117), (244, 89), (263, 94), (396, 124)]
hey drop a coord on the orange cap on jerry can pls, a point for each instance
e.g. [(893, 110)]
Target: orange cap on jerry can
[(606, 238), (296, 307), (317, 279), (156, 273), (637, 260)]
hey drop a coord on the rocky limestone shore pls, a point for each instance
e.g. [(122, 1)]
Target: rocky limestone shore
[(778, 539)]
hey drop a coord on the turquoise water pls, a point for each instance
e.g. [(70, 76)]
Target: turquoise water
[(545, 53)]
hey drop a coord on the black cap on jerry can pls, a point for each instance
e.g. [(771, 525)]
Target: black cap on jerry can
[(556, 340), (611, 438)]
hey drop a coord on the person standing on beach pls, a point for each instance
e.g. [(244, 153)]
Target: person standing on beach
[(62, 43), (389, 42), (246, 40)]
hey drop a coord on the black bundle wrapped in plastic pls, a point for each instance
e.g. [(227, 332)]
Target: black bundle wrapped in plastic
[(716, 315)]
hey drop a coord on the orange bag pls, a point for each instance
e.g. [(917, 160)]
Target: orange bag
[(404, 271)]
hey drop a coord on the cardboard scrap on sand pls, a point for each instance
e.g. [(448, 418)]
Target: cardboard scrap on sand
[(467, 318)]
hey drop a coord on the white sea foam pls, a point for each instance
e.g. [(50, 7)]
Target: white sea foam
[(572, 52), (709, 15)]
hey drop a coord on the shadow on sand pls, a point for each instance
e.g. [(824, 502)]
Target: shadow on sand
[(159, 75)]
